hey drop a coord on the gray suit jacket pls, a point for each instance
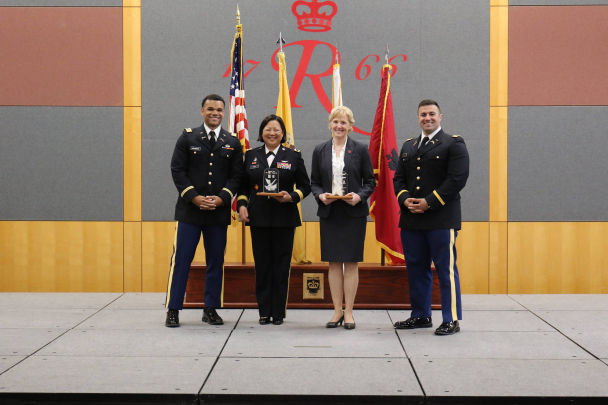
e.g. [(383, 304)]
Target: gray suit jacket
[(358, 165)]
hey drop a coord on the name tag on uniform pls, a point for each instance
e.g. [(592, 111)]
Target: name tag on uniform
[(284, 165), (195, 148)]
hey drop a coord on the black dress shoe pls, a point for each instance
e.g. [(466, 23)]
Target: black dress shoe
[(172, 318), (211, 317), (448, 328), (265, 320), (277, 321), (350, 325), (414, 323), (335, 324)]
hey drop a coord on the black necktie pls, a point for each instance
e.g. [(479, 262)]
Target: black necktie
[(425, 140), (212, 139), (269, 153)]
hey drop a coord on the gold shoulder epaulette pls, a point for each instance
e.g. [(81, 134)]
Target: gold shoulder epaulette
[(235, 135), (456, 136), (408, 139), (297, 150), (249, 149), (188, 129)]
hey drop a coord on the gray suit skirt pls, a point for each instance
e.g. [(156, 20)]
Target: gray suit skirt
[(342, 236)]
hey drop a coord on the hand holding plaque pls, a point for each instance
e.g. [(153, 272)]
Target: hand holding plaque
[(270, 186), (342, 179)]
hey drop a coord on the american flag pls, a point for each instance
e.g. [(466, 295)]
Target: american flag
[(238, 115)]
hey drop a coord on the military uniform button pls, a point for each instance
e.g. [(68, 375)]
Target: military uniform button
[(437, 157), (418, 159), (209, 182), (195, 153), (417, 188), (418, 178), (210, 173), (418, 168), (212, 154), (210, 164)]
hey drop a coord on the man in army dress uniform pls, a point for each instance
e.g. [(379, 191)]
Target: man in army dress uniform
[(207, 167), (432, 170)]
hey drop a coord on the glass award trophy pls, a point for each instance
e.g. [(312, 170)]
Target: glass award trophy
[(271, 183), (342, 179)]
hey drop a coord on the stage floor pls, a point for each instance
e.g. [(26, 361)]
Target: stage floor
[(87, 347)]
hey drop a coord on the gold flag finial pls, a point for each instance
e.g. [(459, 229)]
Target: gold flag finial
[(238, 15)]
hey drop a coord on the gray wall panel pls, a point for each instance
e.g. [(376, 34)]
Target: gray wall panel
[(61, 163), (158, 205), (61, 3), (556, 2), (557, 163), (455, 59), (186, 43)]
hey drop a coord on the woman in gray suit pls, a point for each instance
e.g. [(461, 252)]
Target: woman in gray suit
[(343, 221)]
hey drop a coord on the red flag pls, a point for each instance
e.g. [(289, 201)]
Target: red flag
[(383, 150)]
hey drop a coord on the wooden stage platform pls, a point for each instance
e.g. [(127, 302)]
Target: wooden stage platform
[(380, 287)]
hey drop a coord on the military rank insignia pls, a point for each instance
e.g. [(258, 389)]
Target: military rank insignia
[(256, 187)]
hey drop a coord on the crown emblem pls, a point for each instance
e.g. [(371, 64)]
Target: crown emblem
[(314, 21)]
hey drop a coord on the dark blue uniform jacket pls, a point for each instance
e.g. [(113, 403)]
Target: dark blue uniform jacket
[(436, 173), (265, 211), (199, 170)]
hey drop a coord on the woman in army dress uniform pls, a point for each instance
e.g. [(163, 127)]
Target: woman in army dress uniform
[(343, 222), (272, 220)]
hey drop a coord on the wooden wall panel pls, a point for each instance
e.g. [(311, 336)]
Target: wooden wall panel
[(499, 164), (498, 258), (132, 257), (132, 163), (157, 248), (313, 242), (248, 250), (472, 246), (131, 31), (373, 253), (558, 257), (499, 54), (45, 256), (498, 265)]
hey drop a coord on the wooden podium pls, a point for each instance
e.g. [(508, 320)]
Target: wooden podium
[(380, 287)]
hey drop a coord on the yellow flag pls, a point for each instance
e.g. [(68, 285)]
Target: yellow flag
[(284, 111)]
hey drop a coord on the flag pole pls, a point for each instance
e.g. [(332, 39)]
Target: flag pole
[(382, 252), (243, 228)]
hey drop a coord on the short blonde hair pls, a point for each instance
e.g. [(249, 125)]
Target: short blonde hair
[(342, 110)]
